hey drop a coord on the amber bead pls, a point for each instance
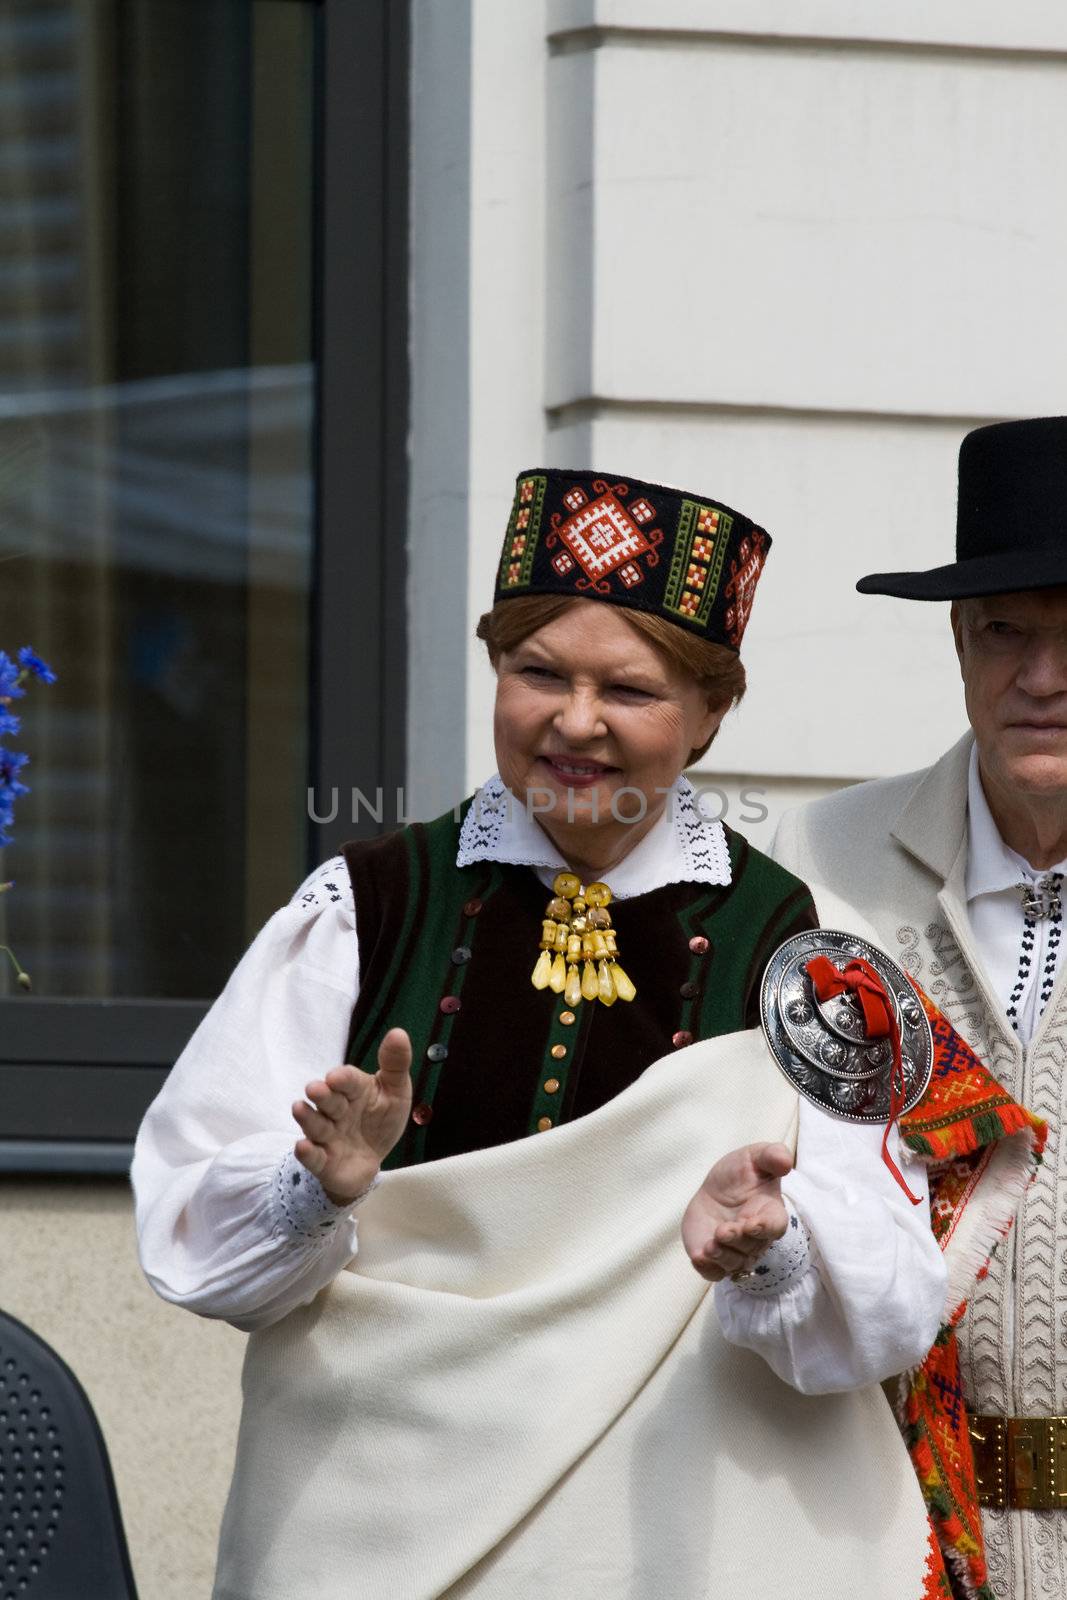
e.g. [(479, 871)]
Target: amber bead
[(623, 987)]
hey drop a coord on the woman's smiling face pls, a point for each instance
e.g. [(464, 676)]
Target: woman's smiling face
[(587, 708)]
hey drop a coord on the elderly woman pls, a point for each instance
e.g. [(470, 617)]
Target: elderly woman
[(514, 1382)]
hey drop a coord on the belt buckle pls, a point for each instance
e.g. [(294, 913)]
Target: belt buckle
[(989, 1446), (1020, 1462), (1030, 1462)]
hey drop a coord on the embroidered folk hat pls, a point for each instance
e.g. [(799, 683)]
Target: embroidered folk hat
[(1011, 518), (593, 536)]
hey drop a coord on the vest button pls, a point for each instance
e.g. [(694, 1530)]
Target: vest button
[(699, 945), (689, 991), (437, 1052), (566, 1018), (472, 908), (681, 1038), (551, 1085), (460, 955), (558, 1051), (450, 1004), (422, 1113), (544, 1124)]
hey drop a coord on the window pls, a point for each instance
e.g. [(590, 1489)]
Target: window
[(202, 397)]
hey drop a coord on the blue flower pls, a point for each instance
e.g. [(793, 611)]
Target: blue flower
[(11, 788), (8, 722), (11, 764), (9, 678), (7, 815), (34, 664)]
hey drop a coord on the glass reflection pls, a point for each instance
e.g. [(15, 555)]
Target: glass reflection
[(156, 493)]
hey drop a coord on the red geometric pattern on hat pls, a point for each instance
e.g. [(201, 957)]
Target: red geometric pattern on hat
[(740, 587), (563, 563), (603, 536)]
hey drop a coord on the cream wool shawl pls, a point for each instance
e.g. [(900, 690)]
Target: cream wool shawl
[(519, 1389)]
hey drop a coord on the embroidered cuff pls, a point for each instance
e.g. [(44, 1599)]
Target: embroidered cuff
[(782, 1263), (300, 1205)]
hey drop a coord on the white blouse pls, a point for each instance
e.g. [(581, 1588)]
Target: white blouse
[(231, 1226)]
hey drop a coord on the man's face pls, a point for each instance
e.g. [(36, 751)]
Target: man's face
[(1013, 657)]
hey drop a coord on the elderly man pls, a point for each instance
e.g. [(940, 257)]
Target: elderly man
[(960, 868)]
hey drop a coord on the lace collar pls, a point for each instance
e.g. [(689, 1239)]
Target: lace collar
[(684, 846)]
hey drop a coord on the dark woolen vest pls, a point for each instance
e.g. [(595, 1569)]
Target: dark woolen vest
[(447, 952)]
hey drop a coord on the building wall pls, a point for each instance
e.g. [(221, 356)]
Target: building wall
[(783, 253)]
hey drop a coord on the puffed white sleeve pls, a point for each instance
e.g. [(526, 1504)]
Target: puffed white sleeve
[(860, 1295), (229, 1224)]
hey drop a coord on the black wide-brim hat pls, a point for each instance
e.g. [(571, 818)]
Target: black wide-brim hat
[(1011, 517)]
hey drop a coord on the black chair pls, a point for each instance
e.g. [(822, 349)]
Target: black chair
[(61, 1535)]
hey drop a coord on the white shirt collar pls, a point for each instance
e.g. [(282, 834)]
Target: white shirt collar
[(991, 866), (682, 846)]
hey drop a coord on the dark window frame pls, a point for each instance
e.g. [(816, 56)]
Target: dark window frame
[(76, 1076)]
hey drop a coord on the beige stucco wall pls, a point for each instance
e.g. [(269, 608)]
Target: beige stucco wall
[(165, 1385)]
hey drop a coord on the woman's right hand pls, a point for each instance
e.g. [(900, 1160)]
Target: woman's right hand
[(354, 1120)]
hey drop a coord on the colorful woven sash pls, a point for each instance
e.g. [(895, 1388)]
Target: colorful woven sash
[(964, 1127)]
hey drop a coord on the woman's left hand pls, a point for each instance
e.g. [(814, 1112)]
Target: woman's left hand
[(737, 1211)]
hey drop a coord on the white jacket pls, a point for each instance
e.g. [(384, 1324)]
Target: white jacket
[(897, 850)]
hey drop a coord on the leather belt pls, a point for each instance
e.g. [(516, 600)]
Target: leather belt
[(1020, 1462)]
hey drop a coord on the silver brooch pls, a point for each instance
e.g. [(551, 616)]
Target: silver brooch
[(1041, 898), (823, 1046)]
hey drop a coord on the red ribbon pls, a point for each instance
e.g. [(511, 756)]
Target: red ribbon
[(880, 1020)]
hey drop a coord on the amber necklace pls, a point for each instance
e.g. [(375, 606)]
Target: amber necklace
[(577, 929)]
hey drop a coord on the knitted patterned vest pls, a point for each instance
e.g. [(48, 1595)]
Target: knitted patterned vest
[(446, 952)]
